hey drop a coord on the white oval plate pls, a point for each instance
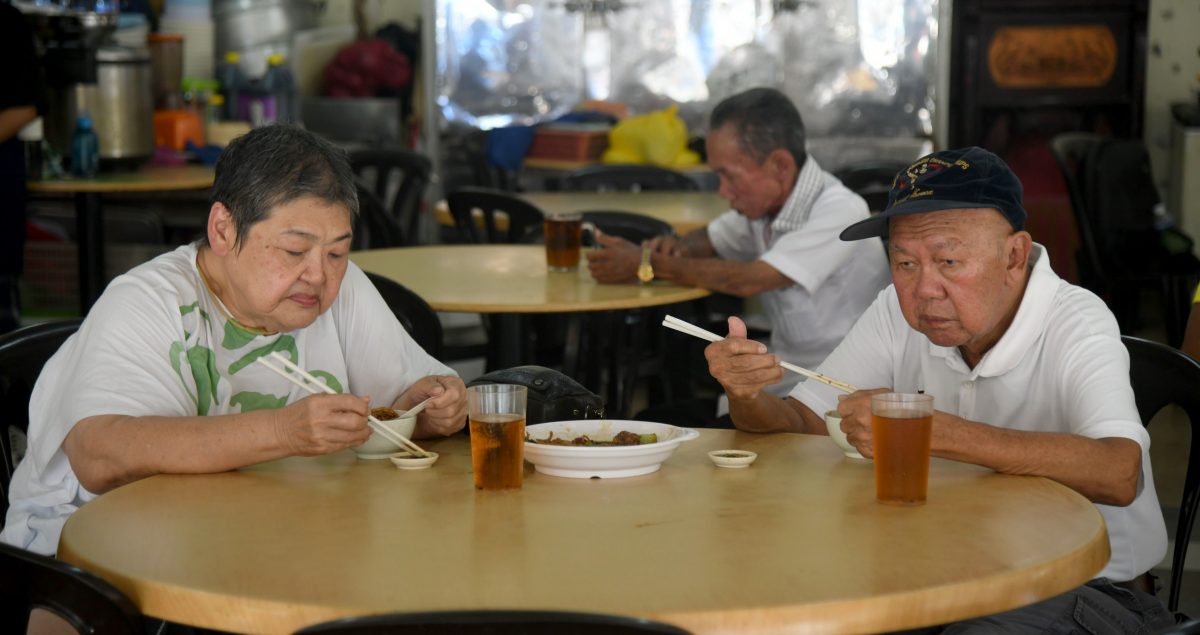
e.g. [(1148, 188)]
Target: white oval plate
[(573, 461)]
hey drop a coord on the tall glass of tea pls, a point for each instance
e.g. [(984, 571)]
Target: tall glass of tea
[(901, 425), (563, 234), (497, 422)]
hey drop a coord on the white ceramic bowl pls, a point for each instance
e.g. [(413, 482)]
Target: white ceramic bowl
[(732, 458), (833, 423), (408, 461), (603, 461), (378, 446)]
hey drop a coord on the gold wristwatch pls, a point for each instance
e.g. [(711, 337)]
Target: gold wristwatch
[(645, 271)]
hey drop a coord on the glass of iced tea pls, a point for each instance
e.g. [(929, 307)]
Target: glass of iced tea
[(564, 240), (497, 421), (901, 427)]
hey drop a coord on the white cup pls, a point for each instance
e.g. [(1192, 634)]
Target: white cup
[(833, 423)]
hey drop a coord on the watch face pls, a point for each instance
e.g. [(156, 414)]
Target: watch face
[(645, 272)]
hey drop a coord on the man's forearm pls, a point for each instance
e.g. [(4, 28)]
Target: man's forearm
[(768, 413), (742, 279), (1105, 470)]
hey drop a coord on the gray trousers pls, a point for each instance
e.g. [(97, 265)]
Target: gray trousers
[(1096, 608)]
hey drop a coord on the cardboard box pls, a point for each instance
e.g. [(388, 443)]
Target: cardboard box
[(569, 143)]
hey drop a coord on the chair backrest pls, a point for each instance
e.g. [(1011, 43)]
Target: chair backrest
[(23, 352), (522, 215), (375, 228), (88, 603), (413, 312), (636, 228), (494, 623), (412, 170), (1071, 151), (1190, 627), (872, 181), (627, 178), (1163, 376)]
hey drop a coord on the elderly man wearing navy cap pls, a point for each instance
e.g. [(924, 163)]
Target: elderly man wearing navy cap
[(1028, 373)]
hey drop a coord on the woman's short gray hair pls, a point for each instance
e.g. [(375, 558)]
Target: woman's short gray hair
[(274, 165)]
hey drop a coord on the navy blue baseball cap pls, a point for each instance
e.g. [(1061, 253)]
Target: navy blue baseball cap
[(966, 178)]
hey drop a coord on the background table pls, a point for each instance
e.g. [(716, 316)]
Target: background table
[(684, 211), (509, 279), (89, 216), (507, 282), (796, 542)]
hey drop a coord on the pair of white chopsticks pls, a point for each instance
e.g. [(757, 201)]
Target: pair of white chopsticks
[(677, 324), (375, 424)]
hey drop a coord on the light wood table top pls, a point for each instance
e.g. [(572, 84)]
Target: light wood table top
[(794, 543), (685, 211), (509, 279), (146, 179)]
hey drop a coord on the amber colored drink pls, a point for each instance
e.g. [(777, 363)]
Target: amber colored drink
[(564, 237), (498, 450), (901, 458)]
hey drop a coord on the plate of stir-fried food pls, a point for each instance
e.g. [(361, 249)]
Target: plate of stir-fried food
[(602, 448)]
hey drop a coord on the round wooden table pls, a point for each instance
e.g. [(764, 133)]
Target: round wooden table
[(794, 543), (509, 279), (89, 219), (684, 211)]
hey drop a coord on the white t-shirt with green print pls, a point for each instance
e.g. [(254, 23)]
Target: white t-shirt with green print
[(158, 343)]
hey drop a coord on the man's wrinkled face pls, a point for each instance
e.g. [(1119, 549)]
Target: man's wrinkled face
[(754, 189), (290, 267), (956, 275)]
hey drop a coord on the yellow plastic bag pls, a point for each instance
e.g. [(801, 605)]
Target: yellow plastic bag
[(658, 138)]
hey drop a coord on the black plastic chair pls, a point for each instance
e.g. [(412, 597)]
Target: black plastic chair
[(1163, 376), (872, 181), (635, 228), (375, 228), (1190, 627), (413, 312), (413, 172), (513, 622), (88, 603), (23, 353), (522, 216), (1121, 255), (627, 178)]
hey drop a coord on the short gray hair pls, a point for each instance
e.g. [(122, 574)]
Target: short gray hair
[(764, 120), (274, 165)]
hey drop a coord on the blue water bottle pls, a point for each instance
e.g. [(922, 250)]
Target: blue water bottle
[(85, 149)]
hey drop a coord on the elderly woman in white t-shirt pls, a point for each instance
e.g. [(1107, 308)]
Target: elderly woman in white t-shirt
[(160, 377)]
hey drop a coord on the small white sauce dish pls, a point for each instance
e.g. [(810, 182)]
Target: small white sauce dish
[(410, 461), (732, 458)]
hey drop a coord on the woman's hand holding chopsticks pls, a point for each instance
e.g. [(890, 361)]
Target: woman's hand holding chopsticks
[(320, 424)]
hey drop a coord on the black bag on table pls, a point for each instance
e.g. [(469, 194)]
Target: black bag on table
[(552, 396)]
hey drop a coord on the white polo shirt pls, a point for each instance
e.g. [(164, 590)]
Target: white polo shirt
[(1060, 367), (834, 281)]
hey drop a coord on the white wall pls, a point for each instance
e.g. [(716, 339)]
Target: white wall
[(1172, 74)]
